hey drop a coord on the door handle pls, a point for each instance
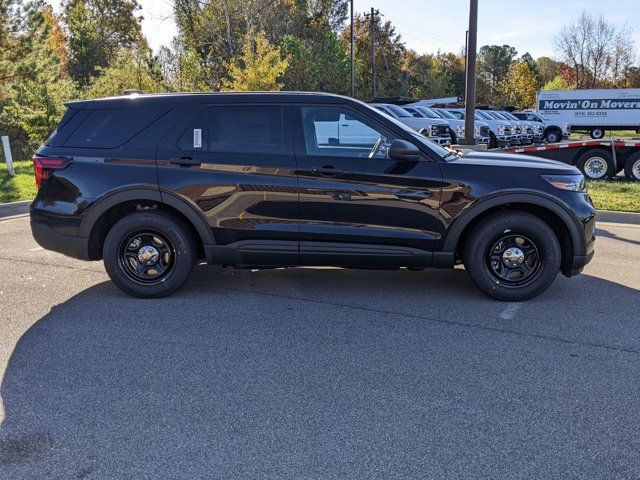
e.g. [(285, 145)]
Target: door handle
[(185, 162), (327, 170)]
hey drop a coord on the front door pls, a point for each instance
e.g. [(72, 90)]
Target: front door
[(235, 163), (354, 199)]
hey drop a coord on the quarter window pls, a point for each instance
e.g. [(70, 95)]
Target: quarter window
[(247, 129)]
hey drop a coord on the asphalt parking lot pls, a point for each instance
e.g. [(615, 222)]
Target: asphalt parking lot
[(317, 373)]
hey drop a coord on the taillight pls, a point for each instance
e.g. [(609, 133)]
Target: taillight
[(43, 166)]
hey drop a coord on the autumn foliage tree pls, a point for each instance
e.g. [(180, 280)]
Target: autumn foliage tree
[(258, 68)]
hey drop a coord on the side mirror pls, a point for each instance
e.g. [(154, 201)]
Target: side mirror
[(403, 151)]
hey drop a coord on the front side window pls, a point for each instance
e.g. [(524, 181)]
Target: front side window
[(457, 114), (338, 132)]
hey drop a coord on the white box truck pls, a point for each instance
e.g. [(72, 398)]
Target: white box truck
[(595, 111)]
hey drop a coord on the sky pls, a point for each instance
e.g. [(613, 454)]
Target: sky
[(431, 25)]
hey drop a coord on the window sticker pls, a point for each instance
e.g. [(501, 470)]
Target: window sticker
[(197, 138)]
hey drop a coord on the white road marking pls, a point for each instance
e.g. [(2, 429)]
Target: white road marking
[(510, 311)]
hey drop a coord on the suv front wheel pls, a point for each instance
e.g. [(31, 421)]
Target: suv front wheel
[(512, 256), (149, 254)]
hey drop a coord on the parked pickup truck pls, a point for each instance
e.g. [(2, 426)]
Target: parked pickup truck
[(500, 134), (553, 132), (435, 129), (456, 125)]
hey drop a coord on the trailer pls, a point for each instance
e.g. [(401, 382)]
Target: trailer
[(595, 110), (596, 159)]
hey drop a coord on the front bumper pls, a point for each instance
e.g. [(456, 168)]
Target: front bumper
[(441, 140), (503, 140)]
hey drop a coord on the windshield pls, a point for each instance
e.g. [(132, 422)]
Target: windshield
[(495, 115), (510, 116), (445, 114), (400, 112), (483, 115), (428, 113), (437, 149)]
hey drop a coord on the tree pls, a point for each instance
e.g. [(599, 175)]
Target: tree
[(34, 102), (493, 64), (98, 30), (558, 83), (390, 51), (258, 68), (213, 32), (520, 86), (21, 25), (548, 69), (597, 53), (132, 68)]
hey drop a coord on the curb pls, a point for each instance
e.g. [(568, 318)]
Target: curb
[(609, 216), (14, 209)]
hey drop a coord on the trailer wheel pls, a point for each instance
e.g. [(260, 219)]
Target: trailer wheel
[(632, 167), (553, 135), (597, 133), (597, 164)]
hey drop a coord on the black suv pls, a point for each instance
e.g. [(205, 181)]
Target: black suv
[(151, 183)]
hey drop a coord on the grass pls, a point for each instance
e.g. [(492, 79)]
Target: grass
[(613, 195), (20, 187), (623, 134)]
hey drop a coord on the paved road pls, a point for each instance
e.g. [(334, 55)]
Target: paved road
[(317, 373)]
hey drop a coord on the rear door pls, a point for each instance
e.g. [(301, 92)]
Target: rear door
[(235, 163)]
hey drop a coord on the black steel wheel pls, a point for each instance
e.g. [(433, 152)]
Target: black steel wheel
[(512, 255), (513, 260), (146, 256), (149, 254)]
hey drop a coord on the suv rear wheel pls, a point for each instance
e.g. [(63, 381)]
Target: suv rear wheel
[(512, 256), (149, 254)]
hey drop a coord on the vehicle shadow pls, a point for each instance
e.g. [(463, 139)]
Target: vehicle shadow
[(603, 232), (300, 373)]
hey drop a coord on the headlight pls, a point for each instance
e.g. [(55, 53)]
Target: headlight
[(460, 130), (476, 130), (573, 183), (501, 129)]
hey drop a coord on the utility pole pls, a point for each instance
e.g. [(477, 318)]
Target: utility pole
[(353, 82), (372, 34), (470, 89)]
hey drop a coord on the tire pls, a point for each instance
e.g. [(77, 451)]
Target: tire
[(597, 133), (133, 244), (553, 136), (540, 260), (493, 141), (597, 164), (454, 137), (632, 167)]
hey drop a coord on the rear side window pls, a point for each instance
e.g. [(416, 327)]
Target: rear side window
[(247, 129), (110, 128)]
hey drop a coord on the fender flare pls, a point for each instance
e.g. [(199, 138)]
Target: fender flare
[(532, 198), (150, 193)]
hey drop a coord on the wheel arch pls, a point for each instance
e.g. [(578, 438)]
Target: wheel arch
[(549, 210), (107, 210)]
